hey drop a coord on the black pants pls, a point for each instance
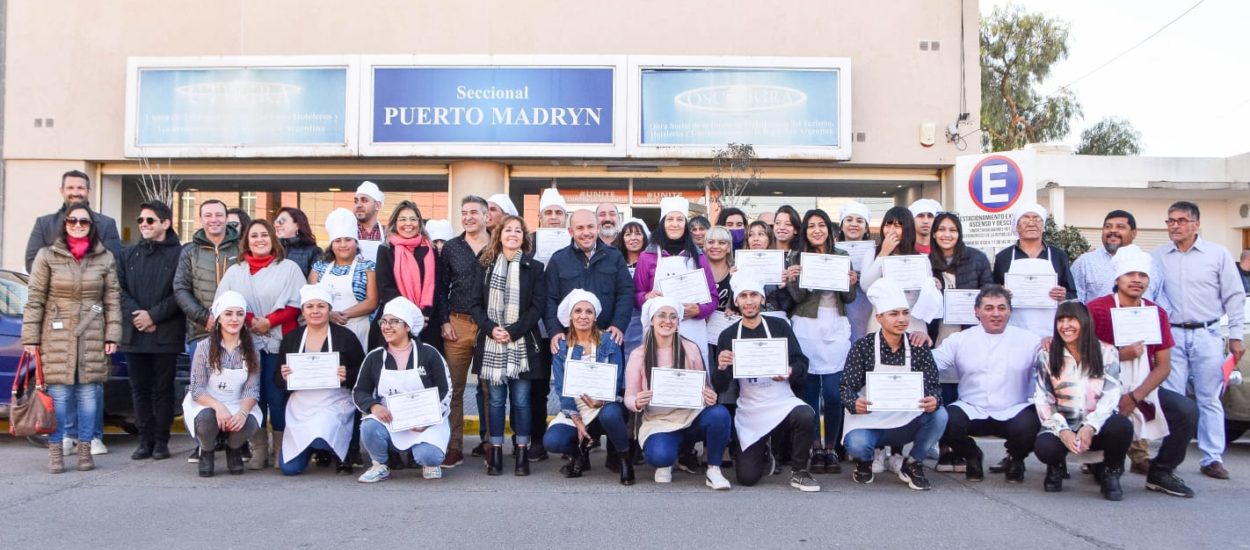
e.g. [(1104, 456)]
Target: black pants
[(754, 462), (1181, 414), (206, 429), (540, 390), (152, 388), (1113, 440), (1020, 432)]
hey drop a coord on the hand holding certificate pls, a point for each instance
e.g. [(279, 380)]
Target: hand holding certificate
[(761, 357), (766, 265), (417, 409), (677, 388), (594, 380), (960, 307), (894, 391), (548, 240), (1136, 324), (687, 288), (911, 271), (312, 371), (825, 272), (1031, 291), (717, 323)]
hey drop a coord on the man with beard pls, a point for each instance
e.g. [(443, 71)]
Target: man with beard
[(498, 206), (1093, 273), (609, 217), (370, 233)]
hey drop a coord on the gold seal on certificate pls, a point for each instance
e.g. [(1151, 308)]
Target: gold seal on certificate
[(1031, 291), (911, 271), (894, 391), (414, 409), (825, 272), (687, 288), (959, 306), (761, 357), (1136, 324), (594, 380), (548, 240), (677, 388), (766, 265), (312, 371)]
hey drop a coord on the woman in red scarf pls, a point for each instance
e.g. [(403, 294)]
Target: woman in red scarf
[(406, 266)]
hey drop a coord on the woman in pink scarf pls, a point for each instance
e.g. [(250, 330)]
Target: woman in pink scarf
[(406, 266)]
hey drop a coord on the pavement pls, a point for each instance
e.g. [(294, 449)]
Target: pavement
[(163, 504)]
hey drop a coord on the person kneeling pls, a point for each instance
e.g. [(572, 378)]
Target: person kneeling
[(767, 406), (889, 351), (225, 386), (402, 366)]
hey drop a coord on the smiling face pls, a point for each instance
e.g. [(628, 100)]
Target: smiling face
[(213, 219), (583, 317), (259, 242), (285, 226), (394, 330), (716, 249), (607, 215), (783, 229), (817, 231), (1069, 329), (512, 236), (150, 226), (634, 238), (344, 248), (584, 229), (895, 321), (231, 320), (74, 189), (408, 223), (749, 302), (675, 227), (664, 322), (946, 236), (316, 313), (757, 238), (854, 227), (473, 217), (78, 223), (994, 312), (1116, 233)]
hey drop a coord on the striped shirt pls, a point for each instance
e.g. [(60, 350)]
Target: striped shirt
[(360, 280)]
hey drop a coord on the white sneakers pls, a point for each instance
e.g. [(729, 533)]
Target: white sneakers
[(98, 448), (895, 463), (716, 480), (878, 461), (68, 445), (664, 475), (432, 472), (377, 472)]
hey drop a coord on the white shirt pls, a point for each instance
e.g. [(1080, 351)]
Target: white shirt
[(996, 371)]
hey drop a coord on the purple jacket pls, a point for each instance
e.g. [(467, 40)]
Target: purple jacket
[(644, 279)]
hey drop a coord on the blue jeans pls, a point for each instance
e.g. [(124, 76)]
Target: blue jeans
[(71, 413), (563, 439), (823, 394), (520, 391), (85, 400), (923, 432), (1197, 360), (633, 334), (376, 439), (297, 465), (272, 398), (711, 427)]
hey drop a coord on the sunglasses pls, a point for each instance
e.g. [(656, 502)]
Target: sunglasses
[(80, 222), (149, 220)]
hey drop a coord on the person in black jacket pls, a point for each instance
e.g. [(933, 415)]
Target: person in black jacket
[(153, 326), (509, 296), (295, 234), (406, 232)]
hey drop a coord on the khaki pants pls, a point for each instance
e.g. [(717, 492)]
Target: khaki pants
[(1139, 451), (459, 359)]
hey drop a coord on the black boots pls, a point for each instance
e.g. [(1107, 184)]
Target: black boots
[(522, 460), (627, 469), (1111, 483), (234, 461), (494, 459), (974, 467), (160, 451), (1015, 470), (1053, 483), (206, 462), (144, 451)]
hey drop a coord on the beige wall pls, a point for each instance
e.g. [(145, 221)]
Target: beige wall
[(32, 189)]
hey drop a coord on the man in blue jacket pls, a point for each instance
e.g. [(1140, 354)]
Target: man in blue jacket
[(590, 265)]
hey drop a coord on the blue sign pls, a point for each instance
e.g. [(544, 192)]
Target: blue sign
[(762, 107), (492, 105), (995, 183), (241, 107)]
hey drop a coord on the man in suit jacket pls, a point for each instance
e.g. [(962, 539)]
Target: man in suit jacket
[(75, 187)]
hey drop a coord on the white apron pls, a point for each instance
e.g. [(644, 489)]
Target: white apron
[(881, 420), (826, 340), (310, 414), (762, 403), (340, 287), (588, 414), (694, 330), (1039, 321), (1133, 374), (226, 386), (402, 381), (369, 249)]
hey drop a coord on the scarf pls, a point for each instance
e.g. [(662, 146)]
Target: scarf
[(78, 247), (502, 362), (408, 275), (255, 264)]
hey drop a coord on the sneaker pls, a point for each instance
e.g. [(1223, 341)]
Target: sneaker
[(817, 461), (946, 462), (715, 480), (912, 472), (455, 457), (803, 481), (895, 463), (878, 461), (1167, 483), (377, 472), (664, 475), (68, 446), (431, 472), (863, 472), (961, 465), (538, 453), (194, 457)]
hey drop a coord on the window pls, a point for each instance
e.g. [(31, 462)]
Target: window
[(186, 222)]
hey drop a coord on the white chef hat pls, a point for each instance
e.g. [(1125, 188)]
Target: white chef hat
[(887, 295), (227, 300), (408, 312), (565, 312), (371, 190), (1129, 259), (340, 223), (925, 206), (639, 223), (1023, 209), (551, 197), (855, 209), (309, 293), (743, 282), (674, 204), (439, 230), (650, 307), (504, 203)]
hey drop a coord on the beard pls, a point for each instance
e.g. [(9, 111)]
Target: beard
[(608, 232), (1112, 247)]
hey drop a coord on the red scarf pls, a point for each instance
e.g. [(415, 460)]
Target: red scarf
[(78, 247), (255, 264), (408, 276)]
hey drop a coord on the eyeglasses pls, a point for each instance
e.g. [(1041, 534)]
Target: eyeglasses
[(80, 222), (390, 322), (1177, 221), (148, 221)]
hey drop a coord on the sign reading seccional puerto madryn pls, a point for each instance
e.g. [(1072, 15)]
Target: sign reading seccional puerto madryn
[(492, 105)]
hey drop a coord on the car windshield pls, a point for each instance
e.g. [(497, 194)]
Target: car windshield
[(12, 293)]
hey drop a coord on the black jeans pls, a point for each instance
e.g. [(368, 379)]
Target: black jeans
[(754, 461), (1020, 432), (206, 429), (1181, 414), (1113, 440), (152, 388), (540, 390)]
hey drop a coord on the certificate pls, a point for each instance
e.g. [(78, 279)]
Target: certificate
[(687, 288), (766, 265), (594, 380), (1136, 324), (824, 272), (959, 306), (414, 409), (761, 357), (312, 371), (677, 388), (1031, 291), (911, 272), (717, 323), (894, 391), (548, 241), (858, 250)]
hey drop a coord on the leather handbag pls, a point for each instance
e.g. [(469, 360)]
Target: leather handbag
[(31, 411)]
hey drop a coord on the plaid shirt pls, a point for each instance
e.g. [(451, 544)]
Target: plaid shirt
[(374, 234)]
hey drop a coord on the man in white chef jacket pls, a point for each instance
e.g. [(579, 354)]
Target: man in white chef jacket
[(995, 365)]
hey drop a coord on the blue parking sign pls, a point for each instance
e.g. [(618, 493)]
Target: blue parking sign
[(995, 183)]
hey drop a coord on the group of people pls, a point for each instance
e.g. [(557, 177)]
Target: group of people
[(408, 307)]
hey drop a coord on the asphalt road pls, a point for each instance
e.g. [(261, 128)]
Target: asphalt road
[(150, 504)]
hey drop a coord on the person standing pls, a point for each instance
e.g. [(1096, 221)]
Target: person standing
[(296, 236), (153, 328), (498, 206), (1201, 284), (854, 219), (369, 231), (351, 279), (552, 214), (1033, 256), (735, 220), (408, 267), (633, 238), (1243, 267), (609, 218), (1093, 273), (924, 212)]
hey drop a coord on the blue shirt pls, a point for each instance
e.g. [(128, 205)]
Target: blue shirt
[(360, 280), (1201, 285), (1094, 274)]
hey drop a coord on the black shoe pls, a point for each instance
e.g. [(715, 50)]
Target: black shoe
[(1167, 483), (1053, 483), (160, 451), (635, 453), (1111, 484), (1063, 470), (688, 463), (1001, 467), (343, 467), (206, 463), (583, 455), (538, 453), (572, 469), (494, 462), (144, 452), (945, 462), (194, 456), (613, 460), (234, 461), (863, 471), (1015, 471), (913, 473), (479, 450), (974, 467), (831, 463), (322, 458), (817, 463), (627, 470), (522, 460), (1097, 470)]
